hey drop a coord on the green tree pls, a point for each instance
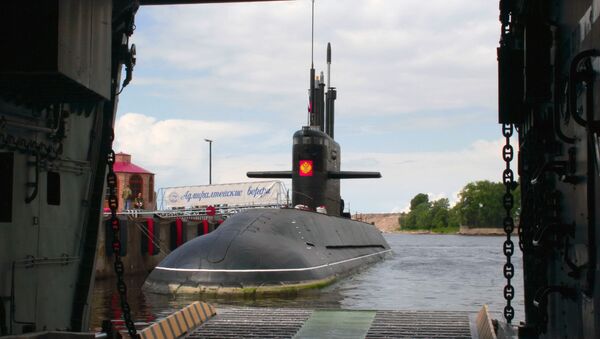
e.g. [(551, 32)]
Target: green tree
[(411, 220), (453, 218), (480, 204), (422, 216), (419, 199), (425, 214), (418, 216), (439, 213)]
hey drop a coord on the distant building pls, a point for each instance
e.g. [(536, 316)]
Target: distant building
[(138, 179)]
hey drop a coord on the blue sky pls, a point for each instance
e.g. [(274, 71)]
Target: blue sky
[(416, 83)]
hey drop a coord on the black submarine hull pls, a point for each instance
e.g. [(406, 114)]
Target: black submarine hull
[(270, 251)]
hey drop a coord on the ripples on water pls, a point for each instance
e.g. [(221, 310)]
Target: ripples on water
[(426, 272)]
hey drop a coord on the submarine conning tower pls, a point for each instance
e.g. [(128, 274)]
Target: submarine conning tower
[(316, 156)]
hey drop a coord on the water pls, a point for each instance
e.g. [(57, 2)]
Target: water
[(426, 272)]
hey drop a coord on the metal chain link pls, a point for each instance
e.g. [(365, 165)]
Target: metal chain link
[(125, 17), (508, 202), (113, 203)]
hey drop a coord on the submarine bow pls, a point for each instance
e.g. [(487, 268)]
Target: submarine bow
[(269, 249)]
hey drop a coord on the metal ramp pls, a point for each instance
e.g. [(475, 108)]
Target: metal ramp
[(253, 323), (304, 323), (420, 324)]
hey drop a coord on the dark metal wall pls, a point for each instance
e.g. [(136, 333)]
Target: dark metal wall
[(548, 68)]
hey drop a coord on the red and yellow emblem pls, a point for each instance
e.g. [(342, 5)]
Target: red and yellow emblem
[(306, 168)]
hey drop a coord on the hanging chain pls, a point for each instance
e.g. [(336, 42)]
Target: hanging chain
[(111, 181), (508, 202), (123, 27)]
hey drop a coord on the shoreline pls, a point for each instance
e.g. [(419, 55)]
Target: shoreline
[(465, 232), (388, 223)]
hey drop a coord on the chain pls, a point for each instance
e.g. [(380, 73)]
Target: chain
[(111, 181), (508, 177), (508, 202), (123, 27)]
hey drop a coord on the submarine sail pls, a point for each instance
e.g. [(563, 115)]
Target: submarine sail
[(316, 159)]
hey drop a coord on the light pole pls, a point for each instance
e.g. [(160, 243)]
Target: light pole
[(209, 160)]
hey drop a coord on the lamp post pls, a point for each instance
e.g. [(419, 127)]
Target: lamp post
[(209, 160)]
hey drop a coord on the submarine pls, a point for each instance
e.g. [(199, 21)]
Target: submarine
[(283, 250)]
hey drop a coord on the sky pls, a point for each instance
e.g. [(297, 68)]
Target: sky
[(416, 81)]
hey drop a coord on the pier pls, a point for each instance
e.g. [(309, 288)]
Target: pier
[(202, 321)]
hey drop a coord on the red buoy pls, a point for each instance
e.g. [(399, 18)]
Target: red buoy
[(179, 231), (205, 224)]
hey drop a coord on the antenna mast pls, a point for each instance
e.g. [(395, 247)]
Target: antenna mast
[(311, 119), (312, 35), (328, 66), (330, 97)]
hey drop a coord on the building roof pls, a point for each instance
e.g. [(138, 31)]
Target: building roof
[(127, 167)]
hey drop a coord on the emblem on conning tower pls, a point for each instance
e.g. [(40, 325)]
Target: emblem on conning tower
[(306, 168)]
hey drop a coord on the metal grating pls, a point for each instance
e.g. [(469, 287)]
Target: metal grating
[(286, 322), (420, 324), (253, 323)]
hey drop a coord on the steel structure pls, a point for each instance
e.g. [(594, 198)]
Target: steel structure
[(548, 64)]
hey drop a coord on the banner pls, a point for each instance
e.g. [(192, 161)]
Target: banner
[(261, 193)]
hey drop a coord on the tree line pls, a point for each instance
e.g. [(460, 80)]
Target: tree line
[(479, 205)]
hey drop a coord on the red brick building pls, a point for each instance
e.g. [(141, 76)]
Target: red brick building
[(138, 179)]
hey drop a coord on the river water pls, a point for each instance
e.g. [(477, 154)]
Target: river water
[(426, 272)]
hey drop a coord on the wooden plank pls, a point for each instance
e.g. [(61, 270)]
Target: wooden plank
[(485, 328)]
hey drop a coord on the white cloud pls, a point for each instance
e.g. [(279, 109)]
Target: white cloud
[(405, 175), (389, 57), (175, 150), (399, 66)]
